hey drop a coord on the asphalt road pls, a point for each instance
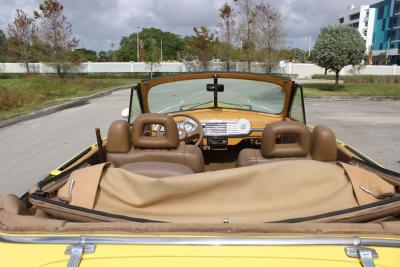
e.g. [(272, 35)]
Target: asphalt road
[(372, 127), (32, 148)]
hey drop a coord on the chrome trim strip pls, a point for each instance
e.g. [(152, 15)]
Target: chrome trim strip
[(202, 241), (256, 129)]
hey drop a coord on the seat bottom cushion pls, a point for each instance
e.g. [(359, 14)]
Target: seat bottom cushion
[(187, 155), (157, 169)]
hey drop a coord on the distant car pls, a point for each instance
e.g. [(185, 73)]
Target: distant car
[(215, 60), (209, 169)]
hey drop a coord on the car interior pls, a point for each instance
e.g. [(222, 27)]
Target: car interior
[(153, 172), (163, 155)]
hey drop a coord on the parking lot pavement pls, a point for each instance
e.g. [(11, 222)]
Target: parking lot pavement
[(30, 149), (372, 127)]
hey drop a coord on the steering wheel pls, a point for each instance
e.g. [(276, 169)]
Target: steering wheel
[(197, 132)]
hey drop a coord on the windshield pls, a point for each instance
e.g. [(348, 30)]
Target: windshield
[(238, 94)]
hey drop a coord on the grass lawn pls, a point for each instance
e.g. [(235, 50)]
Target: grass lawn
[(21, 95), (349, 89)]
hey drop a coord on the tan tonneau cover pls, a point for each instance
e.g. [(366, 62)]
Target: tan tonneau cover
[(255, 194)]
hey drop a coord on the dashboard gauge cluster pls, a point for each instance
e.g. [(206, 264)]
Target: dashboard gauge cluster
[(187, 125)]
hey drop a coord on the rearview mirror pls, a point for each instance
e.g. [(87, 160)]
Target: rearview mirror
[(215, 87), (125, 114)]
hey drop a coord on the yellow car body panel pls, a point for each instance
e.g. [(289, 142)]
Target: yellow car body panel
[(190, 255)]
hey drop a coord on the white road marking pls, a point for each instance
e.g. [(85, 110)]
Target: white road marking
[(36, 125)]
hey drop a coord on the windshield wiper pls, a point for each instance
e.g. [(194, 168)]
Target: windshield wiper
[(247, 106), (194, 105), (220, 105)]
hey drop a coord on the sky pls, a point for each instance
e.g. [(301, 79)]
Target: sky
[(100, 23)]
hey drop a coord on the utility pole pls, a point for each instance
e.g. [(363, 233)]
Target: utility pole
[(161, 56), (309, 47), (137, 45)]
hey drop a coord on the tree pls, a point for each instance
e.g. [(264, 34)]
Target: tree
[(86, 55), (202, 44), (172, 44), (153, 53), (128, 48), (103, 56), (270, 33), (298, 55), (227, 17), (22, 36), (381, 59), (3, 45), (247, 29), (56, 33), (112, 53), (338, 46)]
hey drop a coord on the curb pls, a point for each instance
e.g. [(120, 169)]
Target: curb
[(73, 102), (349, 98)]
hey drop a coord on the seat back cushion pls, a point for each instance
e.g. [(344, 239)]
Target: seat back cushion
[(300, 148), (118, 140), (169, 140), (323, 147)]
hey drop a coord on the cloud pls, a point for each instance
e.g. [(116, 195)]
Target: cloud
[(99, 23)]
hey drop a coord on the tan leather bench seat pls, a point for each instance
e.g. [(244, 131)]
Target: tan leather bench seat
[(158, 156), (320, 145)]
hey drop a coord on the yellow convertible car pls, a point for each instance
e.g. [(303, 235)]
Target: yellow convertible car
[(209, 169)]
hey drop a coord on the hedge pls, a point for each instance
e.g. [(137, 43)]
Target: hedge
[(362, 78)]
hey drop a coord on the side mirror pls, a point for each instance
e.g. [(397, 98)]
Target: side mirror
[(215, 87), (125, 114)]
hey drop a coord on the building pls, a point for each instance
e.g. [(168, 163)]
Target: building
[(386, 36), (379, 25), (361, 18)]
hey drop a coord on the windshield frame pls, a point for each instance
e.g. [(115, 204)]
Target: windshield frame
[(285, 83)]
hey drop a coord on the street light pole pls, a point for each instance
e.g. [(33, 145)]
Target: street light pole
[(309, 47), (161, 56), (137, 45)]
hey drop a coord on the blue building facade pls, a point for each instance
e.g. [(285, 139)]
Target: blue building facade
[(386, 36)]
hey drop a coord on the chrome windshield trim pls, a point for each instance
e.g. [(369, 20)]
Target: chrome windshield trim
[(202, 241)]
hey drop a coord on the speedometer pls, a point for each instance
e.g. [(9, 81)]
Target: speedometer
[(188, 126)]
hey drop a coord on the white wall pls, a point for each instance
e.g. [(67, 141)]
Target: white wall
[(135, 67), (305, 71), (301, 71), (95, 67)]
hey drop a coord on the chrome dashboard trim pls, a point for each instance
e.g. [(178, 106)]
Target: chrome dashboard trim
[(226, 128), (256, 129)]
